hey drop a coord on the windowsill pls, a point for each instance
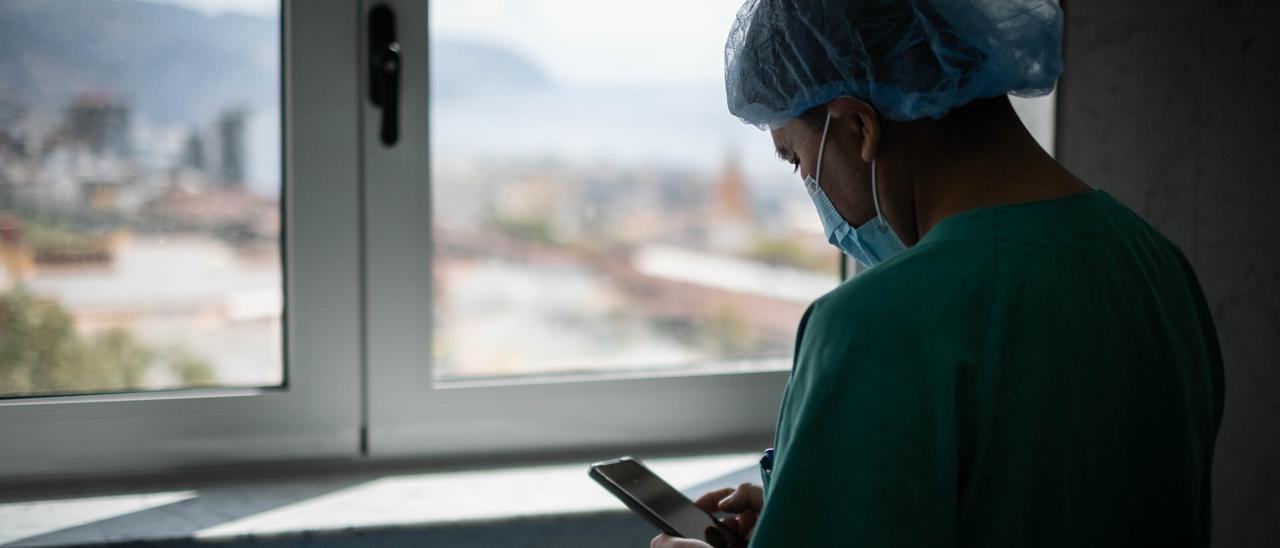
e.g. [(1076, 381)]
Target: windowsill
[(552, 505)]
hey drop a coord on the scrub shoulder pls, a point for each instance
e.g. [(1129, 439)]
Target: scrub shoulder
[(870, 406), (907, 291), (911, 313)]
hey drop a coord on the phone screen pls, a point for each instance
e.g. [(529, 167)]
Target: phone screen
[(662, 500)]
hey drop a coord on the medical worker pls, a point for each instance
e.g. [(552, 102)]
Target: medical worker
[(1024, 361)]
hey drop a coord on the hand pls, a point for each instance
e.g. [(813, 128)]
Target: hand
[(665, 541), (746, 501)]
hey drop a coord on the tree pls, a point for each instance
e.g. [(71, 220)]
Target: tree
[(40, 353)]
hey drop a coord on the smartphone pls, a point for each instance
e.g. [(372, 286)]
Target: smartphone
[(661, 504)]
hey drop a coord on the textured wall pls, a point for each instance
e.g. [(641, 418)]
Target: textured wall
[(1174, 107)]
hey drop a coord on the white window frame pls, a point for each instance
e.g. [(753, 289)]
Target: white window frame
[(411, 418), (317, 413)]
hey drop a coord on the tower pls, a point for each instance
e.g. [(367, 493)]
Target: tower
[(232, 165)]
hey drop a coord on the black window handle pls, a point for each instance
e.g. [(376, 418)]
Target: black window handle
[(384, 72)]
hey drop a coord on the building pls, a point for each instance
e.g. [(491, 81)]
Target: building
[(193, 155), (12, 114), (731, 222), (100, 123), (233, 161)]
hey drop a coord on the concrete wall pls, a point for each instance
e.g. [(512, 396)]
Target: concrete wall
[(1173, 106)]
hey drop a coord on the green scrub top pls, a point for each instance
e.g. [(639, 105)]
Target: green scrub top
[(1040, 375)]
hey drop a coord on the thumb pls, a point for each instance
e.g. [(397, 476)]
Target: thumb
[(736, 502), (741, 500)]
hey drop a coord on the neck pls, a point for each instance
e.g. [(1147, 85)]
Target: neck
[(978, 160)]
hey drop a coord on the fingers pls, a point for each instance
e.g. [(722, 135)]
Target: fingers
[(747, 496), (664, 541), (709, 502), (732, 523), (741, 523), (747, 522)]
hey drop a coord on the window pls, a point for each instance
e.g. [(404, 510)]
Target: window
[(164, 178), (596, 207), (139, 198), (502, 271)]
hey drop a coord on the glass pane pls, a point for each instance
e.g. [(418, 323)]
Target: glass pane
[(139, 195), (596, 207)]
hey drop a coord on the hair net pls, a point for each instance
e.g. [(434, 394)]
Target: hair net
[(909, 59)]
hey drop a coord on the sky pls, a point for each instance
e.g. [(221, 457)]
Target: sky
[(576, 41), (663, 59), (600, 41)]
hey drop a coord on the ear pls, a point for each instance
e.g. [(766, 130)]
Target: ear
[(862, 118)]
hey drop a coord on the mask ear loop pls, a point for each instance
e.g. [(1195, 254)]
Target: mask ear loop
[(875, 195), (817, 177)]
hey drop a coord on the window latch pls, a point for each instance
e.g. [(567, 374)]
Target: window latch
[(384, 72)]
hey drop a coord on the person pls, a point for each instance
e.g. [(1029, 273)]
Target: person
[(1024, 361)]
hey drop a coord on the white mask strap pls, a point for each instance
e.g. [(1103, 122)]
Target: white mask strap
[(875, 196), (821, 145)]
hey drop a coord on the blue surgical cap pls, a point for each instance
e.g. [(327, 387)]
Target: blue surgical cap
[(910, 59)]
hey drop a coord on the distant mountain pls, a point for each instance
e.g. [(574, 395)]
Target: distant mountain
[(177, 66), (172, 64), (463, 68)]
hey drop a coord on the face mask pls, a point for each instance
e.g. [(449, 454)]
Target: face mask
[(869, 244)]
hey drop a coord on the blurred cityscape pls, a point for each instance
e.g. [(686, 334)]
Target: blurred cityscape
[(139, 219), (542, 267), (168, 251), (585, 221)]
